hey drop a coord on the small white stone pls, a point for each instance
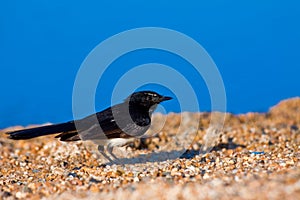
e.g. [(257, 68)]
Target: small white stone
[(136, 179), (20, 195)]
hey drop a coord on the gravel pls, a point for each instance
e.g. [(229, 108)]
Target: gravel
[(254, 156)]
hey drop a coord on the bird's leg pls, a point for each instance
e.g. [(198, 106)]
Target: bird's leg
[(110, 149), (101, 150)]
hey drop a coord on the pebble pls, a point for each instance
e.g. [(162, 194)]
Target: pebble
[(255, 157)]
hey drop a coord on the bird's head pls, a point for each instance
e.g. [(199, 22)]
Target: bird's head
[(146, 98)]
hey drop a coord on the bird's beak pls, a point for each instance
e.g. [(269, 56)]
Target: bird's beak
[(166, 98)]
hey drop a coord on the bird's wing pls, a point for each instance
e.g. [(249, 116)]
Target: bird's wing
[(103, 125), (114, 122)]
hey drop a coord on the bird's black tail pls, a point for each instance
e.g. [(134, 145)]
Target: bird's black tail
[(41, 131)]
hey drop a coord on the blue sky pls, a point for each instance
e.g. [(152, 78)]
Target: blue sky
[(255, 45)]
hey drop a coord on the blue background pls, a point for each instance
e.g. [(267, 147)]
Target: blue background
[(255, 45)]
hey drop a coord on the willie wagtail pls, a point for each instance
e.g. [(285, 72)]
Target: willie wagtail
[(114, 126)]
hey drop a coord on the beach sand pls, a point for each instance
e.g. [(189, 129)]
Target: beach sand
[(255, 156)]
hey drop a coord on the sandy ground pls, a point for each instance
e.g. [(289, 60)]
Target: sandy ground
[(255, 156)]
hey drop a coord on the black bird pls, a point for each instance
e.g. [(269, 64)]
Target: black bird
[(114, 126)]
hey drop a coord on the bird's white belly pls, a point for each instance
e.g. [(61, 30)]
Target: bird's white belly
[(113, 142)]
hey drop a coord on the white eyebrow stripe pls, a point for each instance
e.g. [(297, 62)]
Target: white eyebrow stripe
[(151, 94)]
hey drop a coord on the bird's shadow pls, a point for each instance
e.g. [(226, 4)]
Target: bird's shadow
[(171, 155)]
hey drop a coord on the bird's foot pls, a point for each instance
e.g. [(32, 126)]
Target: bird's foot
[(112, 161)]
